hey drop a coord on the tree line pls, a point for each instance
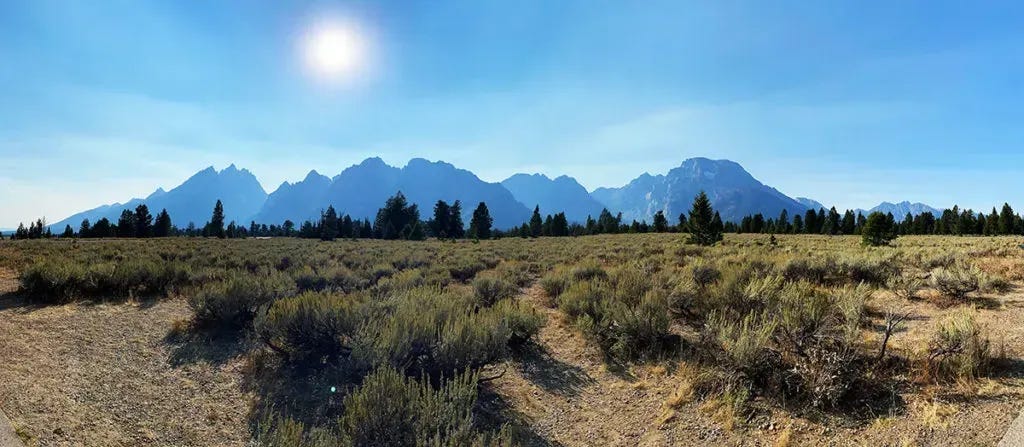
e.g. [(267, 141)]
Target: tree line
[(953, 221), (399, 219)]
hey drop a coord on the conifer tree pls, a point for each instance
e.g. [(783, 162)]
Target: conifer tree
[(329, 224), (143, 221), (878, 229), (439, 225), (536, 223), (701, 226), (68, 232), (660, 223), (456, 228), (215, 228), (162, 226), (1006, 219), (798, 224), (85, 230), (480, 224), (126, 224)]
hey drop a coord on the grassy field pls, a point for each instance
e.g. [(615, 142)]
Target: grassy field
[(600, 340)]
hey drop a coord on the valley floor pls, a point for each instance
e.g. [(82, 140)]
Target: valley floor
[(105, 374)]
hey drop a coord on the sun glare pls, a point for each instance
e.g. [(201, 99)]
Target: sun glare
[(335, 51)]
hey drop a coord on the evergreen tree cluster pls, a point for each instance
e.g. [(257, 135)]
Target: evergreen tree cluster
[(953, 221)]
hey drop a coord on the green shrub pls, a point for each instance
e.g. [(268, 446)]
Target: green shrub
[(813, 270), (869, 270), (959, 347), (489, 291), (705, 275), (311, 326), (523, 321), (233, 303), (588, 271), (636, 332), (554, 284), (743, 342), (465, 270), (390, 409), (905, 285), (427, 331), (957, 280)]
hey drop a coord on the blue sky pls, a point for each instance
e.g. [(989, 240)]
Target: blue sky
[(848, 103)]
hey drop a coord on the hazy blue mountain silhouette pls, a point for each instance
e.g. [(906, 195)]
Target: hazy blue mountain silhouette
[(297, 201), (899, 210), (810, 203), (554, 195), (362, 189), (734, 193), (192, 201)]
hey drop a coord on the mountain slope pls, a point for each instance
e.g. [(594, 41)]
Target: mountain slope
[(361, 190), (192, 201), (810, 203), (296, 201), (733, 192), (561, 194), (901, 209)]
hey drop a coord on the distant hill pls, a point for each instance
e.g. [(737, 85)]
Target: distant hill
[(899, 210), (192, 201), (563, 194), (732, 190)]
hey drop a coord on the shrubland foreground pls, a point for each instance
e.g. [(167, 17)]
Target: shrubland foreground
[(600, 340)]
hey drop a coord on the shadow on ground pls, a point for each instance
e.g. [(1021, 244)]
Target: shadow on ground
[(213, 347), (549, 373)]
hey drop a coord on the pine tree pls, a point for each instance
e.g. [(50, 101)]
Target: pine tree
[(215, 227), (126, 224), (848, 223), (701, 226), (536, 223), (68, 232), (481, 223), (162, 226), (560, 225), (143, 221), (85, 230), (456, 228), (395, 219), (782, 224), (878, 229), (1006, 219), (798, 224), (439, 225), (660, 222), (810, 222), (329, 224)]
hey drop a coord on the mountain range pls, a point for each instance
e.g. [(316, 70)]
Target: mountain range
[(361, 189)]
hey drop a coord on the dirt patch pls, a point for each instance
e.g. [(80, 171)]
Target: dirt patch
[(564, 394), (101, 374)]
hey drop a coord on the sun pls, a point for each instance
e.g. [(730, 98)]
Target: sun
[(335, 50)]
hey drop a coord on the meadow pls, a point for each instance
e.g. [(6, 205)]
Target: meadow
[(633, 339)]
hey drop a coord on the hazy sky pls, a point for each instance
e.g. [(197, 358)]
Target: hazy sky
[(848, 103)]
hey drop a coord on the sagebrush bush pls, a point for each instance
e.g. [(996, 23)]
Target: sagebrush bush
[(312, 326), (957, 281), (488, 290), (554, 284), (233, 303), (744, 342), (64, 281), (959, 348), (905, 285)]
